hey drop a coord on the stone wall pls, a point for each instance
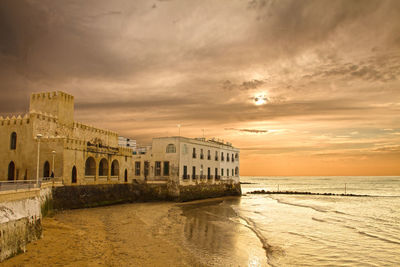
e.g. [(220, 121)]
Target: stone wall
[(86, 196), (20, 219), (203, 191)]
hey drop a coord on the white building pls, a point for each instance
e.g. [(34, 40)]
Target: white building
[(126, 142), (188, 161)]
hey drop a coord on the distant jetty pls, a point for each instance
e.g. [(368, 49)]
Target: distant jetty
[(263, 192)]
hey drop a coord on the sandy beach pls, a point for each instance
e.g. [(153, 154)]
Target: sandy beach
[(201, 233)]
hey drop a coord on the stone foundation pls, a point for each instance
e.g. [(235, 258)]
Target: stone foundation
[(87, 196), (202, 191)]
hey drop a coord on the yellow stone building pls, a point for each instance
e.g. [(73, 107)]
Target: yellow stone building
[(73, 152)]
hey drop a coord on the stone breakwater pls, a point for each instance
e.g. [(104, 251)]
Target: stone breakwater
[(21, 212)]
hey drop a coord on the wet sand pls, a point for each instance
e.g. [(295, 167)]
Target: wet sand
[(203, 233)]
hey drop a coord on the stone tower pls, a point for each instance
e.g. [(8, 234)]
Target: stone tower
[(57, 103)]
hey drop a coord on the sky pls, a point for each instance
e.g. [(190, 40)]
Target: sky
[(301, 87)]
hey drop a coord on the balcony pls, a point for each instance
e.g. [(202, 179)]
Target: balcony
[(209, 177), (195, 177), (217, 177), (186, 176), (202, 176)]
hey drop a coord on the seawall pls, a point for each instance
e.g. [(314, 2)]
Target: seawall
[(20, 219)]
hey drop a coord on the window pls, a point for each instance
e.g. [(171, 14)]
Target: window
[(194, 153), (227, 157), (201, 154), (137, 168), (222, 172), (193, 172), (233, 158), (201, 171), (216, 155), (216, 173), (209, 173), (237, 156), (158, 168), (227, 172), (185, 149), (185, 175), (90, 167), (208, 154), (166, 168), (232, 172), (237, 171), (13, 141), (171, 148), (222, 156)]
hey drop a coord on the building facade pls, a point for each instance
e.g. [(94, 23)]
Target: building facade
[(80, 154), (71, 151), (187, 161)]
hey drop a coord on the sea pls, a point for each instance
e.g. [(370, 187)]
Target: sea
[(319, 230)]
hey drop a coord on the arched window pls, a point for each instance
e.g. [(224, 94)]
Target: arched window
[(46, 170), (171, 148), (73, 176), (126, 176), (103, 167), (13, 141), (90, 167), (115, 168), (11, 171)]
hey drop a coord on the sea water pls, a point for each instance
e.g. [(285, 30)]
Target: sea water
[(317, 230)]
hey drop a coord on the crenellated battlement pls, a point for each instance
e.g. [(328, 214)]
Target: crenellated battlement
[(90, 128), (52, 95), (15, 120)]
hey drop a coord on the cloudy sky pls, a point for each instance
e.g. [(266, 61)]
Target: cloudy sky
[(302, 87)]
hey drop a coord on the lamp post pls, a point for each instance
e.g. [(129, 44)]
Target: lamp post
[(52, 166), (38, 136)]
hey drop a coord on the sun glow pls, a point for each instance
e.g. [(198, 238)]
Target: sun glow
[(260, 99)]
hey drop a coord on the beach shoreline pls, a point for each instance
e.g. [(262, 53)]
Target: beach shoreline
[(144, 234)]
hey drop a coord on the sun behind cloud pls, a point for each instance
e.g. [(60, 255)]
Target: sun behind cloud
[(260, 99)]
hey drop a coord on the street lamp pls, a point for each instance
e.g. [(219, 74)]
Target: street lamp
[(52, 171), (38, 136)]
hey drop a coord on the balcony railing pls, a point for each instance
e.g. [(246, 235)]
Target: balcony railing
[(195, 177), (209, 177), (217, 177), (186, 176)]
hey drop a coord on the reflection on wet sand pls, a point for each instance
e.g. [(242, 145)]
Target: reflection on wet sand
[(214, 231)]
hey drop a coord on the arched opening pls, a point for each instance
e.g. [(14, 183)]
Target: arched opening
[(46, 170), (73, 176), (126, 176), (103, 167), (115, 168), (90, 167), (11, 171), (171, 148), (13, 140)]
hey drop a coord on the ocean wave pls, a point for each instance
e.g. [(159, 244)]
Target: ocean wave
[(271, 251), (379, 237), (316, 208)]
